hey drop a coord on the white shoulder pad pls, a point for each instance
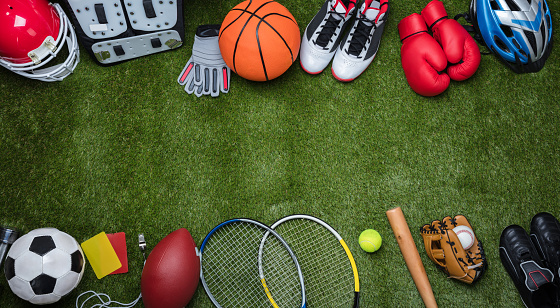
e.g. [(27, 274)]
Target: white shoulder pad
[(99, 19), (151, 15), (112, 51)]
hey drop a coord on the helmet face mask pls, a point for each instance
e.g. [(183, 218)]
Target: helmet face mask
[(35, 34), (519, 32)]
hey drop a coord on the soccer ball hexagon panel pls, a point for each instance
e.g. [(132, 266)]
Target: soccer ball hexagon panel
[(44, 265)]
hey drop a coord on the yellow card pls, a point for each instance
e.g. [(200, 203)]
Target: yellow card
[(101, 255)]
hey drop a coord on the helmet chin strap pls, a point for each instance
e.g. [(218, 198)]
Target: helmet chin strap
[(47, 48), (60, 71)]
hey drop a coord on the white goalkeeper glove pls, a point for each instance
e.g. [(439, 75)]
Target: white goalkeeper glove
[(206, 73)]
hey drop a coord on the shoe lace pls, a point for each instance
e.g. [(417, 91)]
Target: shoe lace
[(328, 29), (524, 254), (362, 35)]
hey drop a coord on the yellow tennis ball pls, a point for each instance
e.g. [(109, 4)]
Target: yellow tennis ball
[(370, 240)]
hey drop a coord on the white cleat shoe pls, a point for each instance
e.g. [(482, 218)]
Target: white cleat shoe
[(323, 34), (360, 44)]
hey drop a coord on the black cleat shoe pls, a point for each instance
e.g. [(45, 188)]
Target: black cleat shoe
[(522, 262), (545, 234)]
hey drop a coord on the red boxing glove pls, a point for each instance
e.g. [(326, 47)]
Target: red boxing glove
[(422, 58), (460, 48)]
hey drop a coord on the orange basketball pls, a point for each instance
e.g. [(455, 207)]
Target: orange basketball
[(259, 39)]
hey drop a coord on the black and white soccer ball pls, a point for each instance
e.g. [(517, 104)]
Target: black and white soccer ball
[(44, 265)]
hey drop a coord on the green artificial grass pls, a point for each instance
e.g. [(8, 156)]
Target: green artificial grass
[(125, 149)]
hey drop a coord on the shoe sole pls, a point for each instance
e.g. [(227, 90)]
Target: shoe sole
[(342, 79), (311, 73)]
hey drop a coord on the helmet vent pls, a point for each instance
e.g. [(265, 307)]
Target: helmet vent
[(532, 40), (494, 5), (514, 41), (500, 44), (543, 33), (507, 30), (548, 21), (512, 5)]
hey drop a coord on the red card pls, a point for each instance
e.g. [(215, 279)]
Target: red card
[(118, 241)]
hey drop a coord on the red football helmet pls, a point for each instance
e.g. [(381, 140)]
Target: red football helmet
[(33, 33)]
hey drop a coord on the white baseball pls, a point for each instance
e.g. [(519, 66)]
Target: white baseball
[(465, 235)]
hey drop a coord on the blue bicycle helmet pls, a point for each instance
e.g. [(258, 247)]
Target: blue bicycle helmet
[(518, 31)]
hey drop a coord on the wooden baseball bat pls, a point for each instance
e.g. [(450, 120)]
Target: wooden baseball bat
[(411, 256)]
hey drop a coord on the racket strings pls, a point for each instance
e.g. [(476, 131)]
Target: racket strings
[(280, 274), (230, 266), (328, 274), (231, 270)]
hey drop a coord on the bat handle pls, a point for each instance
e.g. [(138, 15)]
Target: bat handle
[(411, 256)]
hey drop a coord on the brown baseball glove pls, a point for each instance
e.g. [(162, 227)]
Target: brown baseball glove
[(445, 249)]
